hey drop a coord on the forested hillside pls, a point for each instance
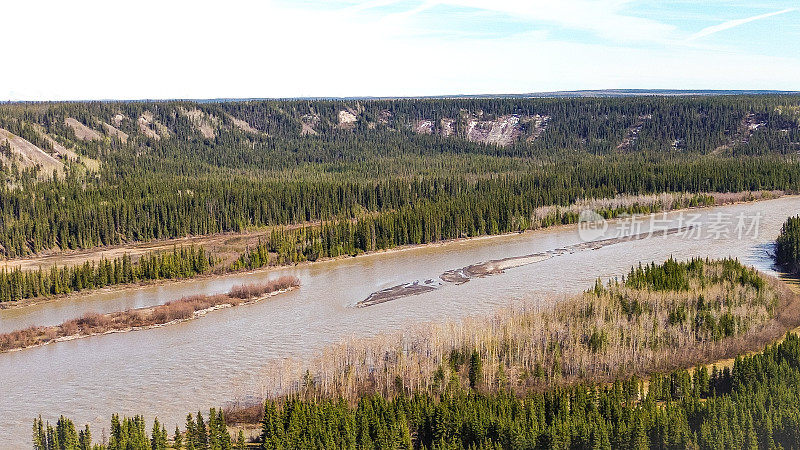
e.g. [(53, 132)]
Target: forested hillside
[(80, 175)]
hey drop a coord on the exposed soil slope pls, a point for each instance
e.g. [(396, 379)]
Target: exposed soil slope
[(82, 131), (29, 155)]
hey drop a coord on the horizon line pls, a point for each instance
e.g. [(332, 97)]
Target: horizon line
[(588, 93)]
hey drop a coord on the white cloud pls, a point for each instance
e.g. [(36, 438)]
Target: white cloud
[(180, 49), (735, 23)]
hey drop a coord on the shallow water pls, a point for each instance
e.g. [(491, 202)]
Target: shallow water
[(220, 357)]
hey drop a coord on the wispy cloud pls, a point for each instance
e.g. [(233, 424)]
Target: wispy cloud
[(708, 31), (605, 18)]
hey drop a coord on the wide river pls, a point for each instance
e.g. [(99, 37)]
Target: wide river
[(224, 356)]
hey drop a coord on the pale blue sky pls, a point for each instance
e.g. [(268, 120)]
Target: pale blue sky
[(182, 49)]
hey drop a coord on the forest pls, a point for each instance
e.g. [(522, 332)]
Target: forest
[(183, 262), (326, 178), (754, 404), (130, 433), (330, 239), (787, 246), (139, 171)]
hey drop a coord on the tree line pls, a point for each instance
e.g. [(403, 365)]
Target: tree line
[(130, 433), (752, 405), (77, 214), (421, 224), (181, 262), (787, 246), (675, 275)]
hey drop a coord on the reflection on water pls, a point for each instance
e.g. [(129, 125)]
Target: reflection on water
[(206, 362)]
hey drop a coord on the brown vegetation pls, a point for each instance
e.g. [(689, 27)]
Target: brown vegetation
[(241, 413), (610, 331), (175, 311), (257, 290)]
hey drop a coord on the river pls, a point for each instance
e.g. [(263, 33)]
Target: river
[(223, 356)]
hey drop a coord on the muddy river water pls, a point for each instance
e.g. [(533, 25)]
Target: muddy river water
[(223, 356)]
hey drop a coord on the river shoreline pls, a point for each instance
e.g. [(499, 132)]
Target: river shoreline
[(213, 276), (229, 300)]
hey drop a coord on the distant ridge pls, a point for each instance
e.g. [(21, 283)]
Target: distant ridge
[(596, 93), (651, 92)]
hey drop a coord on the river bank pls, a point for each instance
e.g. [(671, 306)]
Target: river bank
[(178, 311), (720, 199)]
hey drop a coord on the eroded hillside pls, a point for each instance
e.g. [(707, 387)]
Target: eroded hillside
[(40, 140)]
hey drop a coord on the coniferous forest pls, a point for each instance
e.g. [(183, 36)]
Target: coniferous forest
[(181, 262), (137, 171), (787, 247)]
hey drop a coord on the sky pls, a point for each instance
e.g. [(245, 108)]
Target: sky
[(165, 49)]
